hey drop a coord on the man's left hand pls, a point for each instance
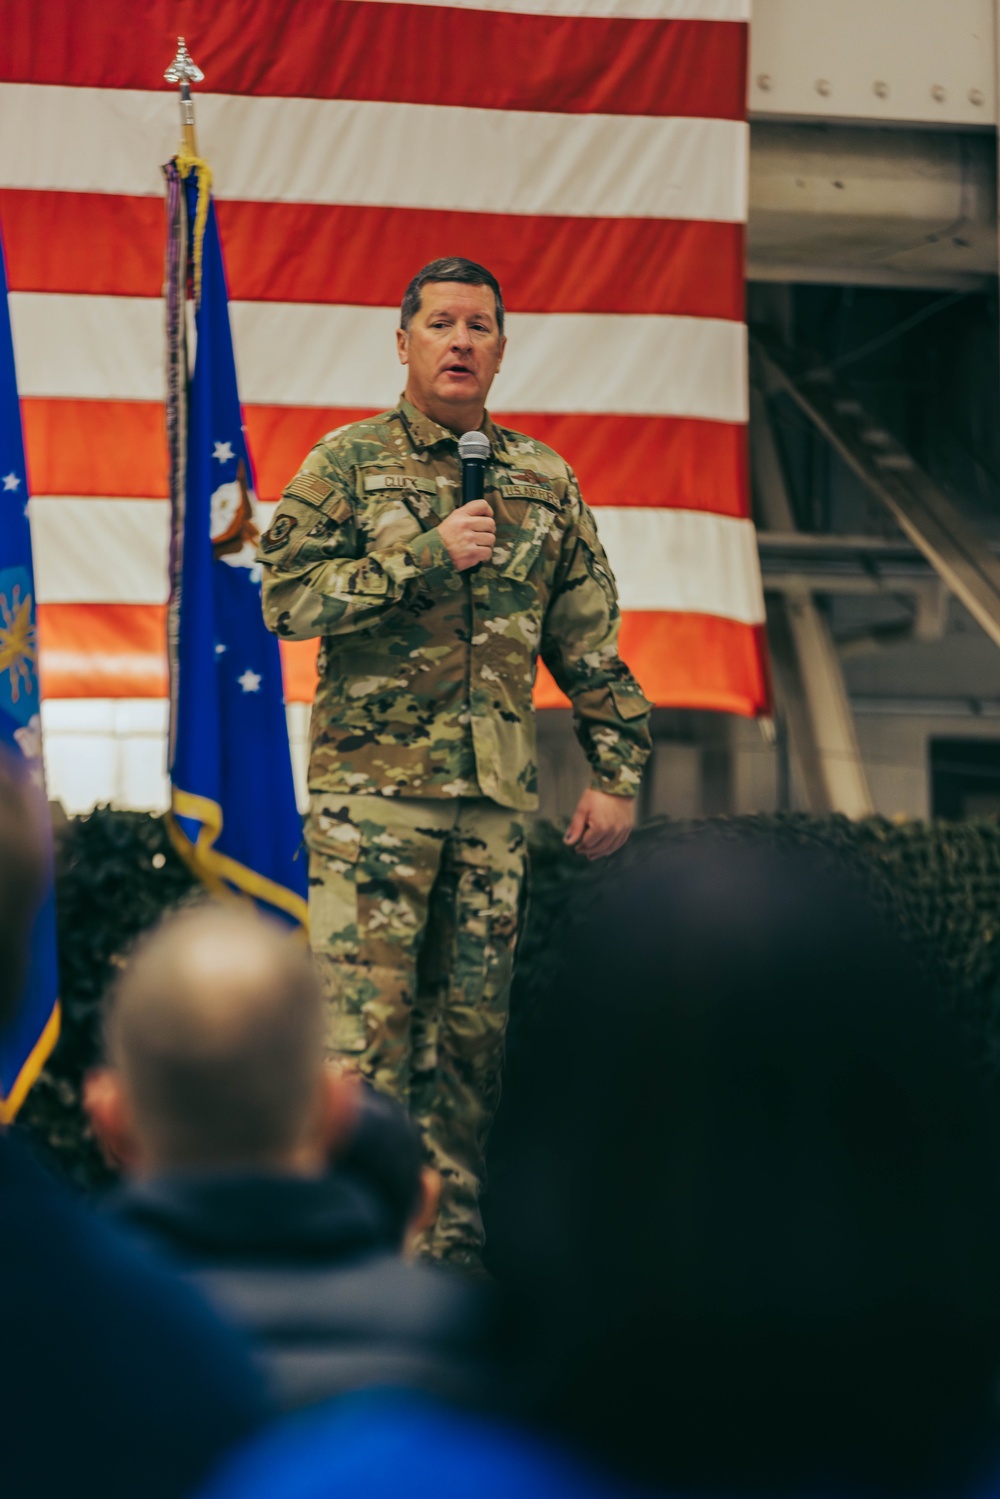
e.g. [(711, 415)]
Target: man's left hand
[(601, 824)]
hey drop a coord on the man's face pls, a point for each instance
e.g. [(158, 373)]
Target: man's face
[(452, 351)]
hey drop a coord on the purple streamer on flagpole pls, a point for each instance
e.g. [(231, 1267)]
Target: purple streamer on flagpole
[(176, 280)]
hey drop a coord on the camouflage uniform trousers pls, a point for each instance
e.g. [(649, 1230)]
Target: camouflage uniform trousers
[(414, 911)]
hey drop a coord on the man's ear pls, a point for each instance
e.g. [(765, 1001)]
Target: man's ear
[(403, 345), (425, 1214), (503, 350), (337, 1111), (107, 1107)]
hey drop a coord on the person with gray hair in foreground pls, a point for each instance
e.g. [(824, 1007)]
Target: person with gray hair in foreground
[(217, 1103), (114, 1380)]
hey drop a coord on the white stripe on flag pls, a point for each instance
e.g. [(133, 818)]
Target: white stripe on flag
[(98, 551), (397, 155), (683, 562), (604, 362), (107, 348), (679, 561), (641, 10), (110, 348), (107, 663)]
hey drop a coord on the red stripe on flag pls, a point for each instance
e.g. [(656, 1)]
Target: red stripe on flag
[(682, 660), (281, 436), (117, 448), (666, 462), (698, 661), (688, 661), (366, 256), (298, 666), (417, 54), (59, 242), (102, 243), (119, 650), (114, 448), (103, 650)]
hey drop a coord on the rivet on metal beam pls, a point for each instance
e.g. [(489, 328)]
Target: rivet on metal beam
[(823, 86), (975, 96), (765, 81), (899, 461), (938, 93), (881, 89)]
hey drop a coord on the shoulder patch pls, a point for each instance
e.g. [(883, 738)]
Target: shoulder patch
[(309, 487), (280, 529)]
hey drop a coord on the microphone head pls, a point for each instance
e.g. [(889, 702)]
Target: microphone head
[(473, 446)]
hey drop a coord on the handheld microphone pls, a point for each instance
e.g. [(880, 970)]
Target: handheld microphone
[(474, 450)]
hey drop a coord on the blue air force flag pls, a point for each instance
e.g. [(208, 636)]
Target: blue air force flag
[(234, 815), (26, 1043)]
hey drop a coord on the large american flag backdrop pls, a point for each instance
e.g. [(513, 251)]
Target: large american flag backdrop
[(592, 152)]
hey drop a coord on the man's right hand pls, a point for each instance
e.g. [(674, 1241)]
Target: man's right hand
[(469, 534)]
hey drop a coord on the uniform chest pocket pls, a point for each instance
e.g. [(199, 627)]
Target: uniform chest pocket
[(524, 524), (395, 507)]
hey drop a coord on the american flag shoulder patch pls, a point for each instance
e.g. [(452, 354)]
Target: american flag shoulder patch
[(309, 487)]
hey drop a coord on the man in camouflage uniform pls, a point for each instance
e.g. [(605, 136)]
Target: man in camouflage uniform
[(432, 616)]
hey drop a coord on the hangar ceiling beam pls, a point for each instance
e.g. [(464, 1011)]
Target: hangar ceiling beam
[(817, 707), (921, 509)]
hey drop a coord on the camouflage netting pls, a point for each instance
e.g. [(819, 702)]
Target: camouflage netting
[(116, 871)]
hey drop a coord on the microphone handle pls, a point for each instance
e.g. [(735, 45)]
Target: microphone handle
[(473, 470)]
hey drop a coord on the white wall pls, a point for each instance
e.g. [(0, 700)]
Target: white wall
[(114, 750), (930, 61), (102, 750)]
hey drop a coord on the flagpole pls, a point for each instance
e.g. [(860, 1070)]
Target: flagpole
[(225, 667), (185, 71)]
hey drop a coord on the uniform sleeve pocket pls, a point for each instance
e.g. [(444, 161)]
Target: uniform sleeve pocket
[(629, 702)]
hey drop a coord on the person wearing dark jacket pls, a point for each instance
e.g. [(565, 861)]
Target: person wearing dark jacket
[(217, 1103), (749, 1226), (385, 1153), (114, 1379)]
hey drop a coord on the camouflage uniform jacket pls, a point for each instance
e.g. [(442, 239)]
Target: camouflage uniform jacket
[(425, 672)]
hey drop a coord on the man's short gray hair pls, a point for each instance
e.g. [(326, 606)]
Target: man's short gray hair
[(216, 1028), (451, 268)]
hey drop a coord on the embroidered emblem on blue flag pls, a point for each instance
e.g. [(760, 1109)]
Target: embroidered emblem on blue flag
[(27, 1042), (233, 809)]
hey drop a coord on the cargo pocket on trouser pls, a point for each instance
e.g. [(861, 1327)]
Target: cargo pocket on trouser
[(506, 928), (334, 844), (372, 975), (475, 1018), (472, 1027)]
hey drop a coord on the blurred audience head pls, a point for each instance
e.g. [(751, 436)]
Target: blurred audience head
[(214, 1045), (384, 1151), (22, 878), (752, 1194)]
